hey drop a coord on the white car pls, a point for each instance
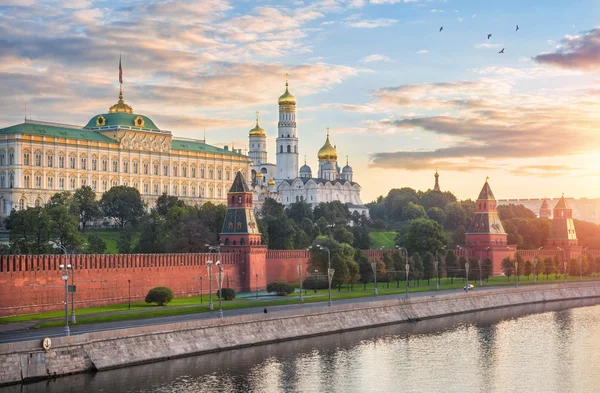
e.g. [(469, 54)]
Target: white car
[(468, 287)]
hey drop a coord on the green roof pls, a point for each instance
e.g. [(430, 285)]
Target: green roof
[(121, 119), (177, 144), (55, 131)]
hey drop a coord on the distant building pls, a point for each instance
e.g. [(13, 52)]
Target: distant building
[(436, 187), (584, 209), (545, 211)]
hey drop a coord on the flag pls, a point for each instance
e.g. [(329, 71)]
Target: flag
[(120, 71)]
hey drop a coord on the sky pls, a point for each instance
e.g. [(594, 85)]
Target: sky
[(401, 97)]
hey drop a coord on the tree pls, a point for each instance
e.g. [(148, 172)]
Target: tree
[(462, 261), (548, 267), (190, 235), (342, 255), (280, 231), (153, 235), (123, 204), (342, 235), (452, 268), (416, 267), (458, 237), (95, 244), (422, 235), (428, 266), (364, 267), (89, 208), (64, 198), (507, 212), (412, 211), (299, 211), (528, 269), (437, 214), (508, 267), (558, 266), (165, 202), (362, 240), (397, 199), (29, 231), (63, 228), (272, 208), (280, 288), (159, 295), (336, 212), (455, 215), (487, 267), (398, 267), (124, 243)]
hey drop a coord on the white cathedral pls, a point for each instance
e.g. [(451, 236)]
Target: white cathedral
[(281, 182)]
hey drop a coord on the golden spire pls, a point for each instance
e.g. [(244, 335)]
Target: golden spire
[(120, 106), (327, 152), (486, 178), (305, 159), (287, 98), (257, 131), (346, 160)]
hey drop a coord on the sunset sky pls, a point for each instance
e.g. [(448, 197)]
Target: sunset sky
[(401, 98)]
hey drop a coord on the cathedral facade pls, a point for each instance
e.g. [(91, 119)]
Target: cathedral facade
[(287, 183)]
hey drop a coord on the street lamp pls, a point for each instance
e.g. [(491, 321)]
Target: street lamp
[(209, 265), (580, 273), (535, 261), (330, 271), (406, 266), (437, 266), (374, 267), (256, 286), (129, 293), (64, 249), (516, 270), (564, 265), (220, 288), (65, 276), (467, 271), (300, 275)]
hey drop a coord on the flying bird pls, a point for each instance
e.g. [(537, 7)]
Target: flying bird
[(517, 29), (441, 28), (502, 51), (489, 36)]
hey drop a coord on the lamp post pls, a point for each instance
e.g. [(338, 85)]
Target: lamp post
[(330, 271), (65, 276), (209, 265), (200, 289), (564, 265), (374, 267), (406, 266), (535, 261), (480, 262), (72, 267), (580, 272), (516, 270), (220, 288), (256, 286), (129, 293), (467, 274), (300, 275), (437, 267)]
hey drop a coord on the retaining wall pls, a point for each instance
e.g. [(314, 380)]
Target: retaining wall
[(25, 361)]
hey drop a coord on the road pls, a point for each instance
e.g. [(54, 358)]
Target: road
[(39, 334)]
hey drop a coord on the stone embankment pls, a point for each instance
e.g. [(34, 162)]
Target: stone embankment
[(25, 361)]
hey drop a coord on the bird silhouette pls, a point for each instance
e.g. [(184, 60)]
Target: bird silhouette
[(517, 29), (489, 36), (441, 28), (502, 51)]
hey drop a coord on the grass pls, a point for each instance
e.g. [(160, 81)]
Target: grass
[(110, 237), (191, 305), (382, 239)]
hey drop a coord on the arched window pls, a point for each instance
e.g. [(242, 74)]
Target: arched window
[(226, 241), (289, 149), (281, 149), (234, 243), (242, 242), (22, 204), (295, 149)]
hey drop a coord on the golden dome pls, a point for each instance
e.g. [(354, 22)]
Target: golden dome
[(328, 152), (271, 182), (120, 106), (287, 98), (257, 131), (259, 175)]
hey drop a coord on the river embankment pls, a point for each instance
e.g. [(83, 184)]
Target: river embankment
[(28, 360)]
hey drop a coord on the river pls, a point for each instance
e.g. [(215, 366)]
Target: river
[(553, 347)]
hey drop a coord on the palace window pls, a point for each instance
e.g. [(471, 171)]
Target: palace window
[(175, 171), (115, 183), (38, 159), (27, 181), (201, 192), (194, 172), (210, 173), (4, 206), (166, 189), (194, 192), (51, 183), (22, 204), (50, 161), (38, 203), (38, 182), (2, 160), (83, 182), (145, 188), (165, 169), (95, 185), (105, 165), (61, 162), (219, 174), (145, 168), (104, 185), (155, 169), (11, 180), (83, 163), (94, 164), (72, 162), (220, 192), (61, 183), (227, 174), (26, 157), (11, 158), (135, 167), (201, 173), (115, 165), (73, 183), (184, 171), (2, 181), (136, 185), (155, 188), (175, 190), (184, 191), (125, 167)]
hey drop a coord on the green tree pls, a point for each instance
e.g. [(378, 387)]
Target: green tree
[(437, 214), (548, 267), (422, 235), (487, 267), (29, 231), (508, 267), (342, 235), (323, 226), (412, 211), (528, 269), (123, 204), (95, 244), (458, 237), (64, 198), (455, 215), (558, 267), (452, 269), (190, 235), (299, 211), (63, 228), (342, 255), (301, 240), (88, 206), (462, 261), (153, 235), (159, 295), (362, 239), (336, 212), (124, 243), (281, 232), (165, 203), (416, 267), (398, 267), (428, 266), (397, 199), (364, 267)]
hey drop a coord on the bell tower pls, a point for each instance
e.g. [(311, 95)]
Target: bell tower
[(287, 140)]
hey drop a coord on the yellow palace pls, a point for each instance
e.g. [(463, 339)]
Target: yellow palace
[(39, 159)]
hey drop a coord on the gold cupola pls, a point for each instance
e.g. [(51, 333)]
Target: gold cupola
[(257, 131), (120, 106), (287, 98), (271, 181), (328, 152)]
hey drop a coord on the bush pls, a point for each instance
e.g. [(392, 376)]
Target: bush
[(313, 283), (281, 288), (228, 293), (159, 295)]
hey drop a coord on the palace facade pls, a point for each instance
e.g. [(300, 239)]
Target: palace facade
[(120, 147)]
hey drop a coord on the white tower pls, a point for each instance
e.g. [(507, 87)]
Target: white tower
[(287, 141), (258, 145)]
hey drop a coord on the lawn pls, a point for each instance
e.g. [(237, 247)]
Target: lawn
[(382, 239), (110, 237)]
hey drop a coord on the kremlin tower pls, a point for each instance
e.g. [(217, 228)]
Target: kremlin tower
[(287, 140), (545, 211), (562, 232)]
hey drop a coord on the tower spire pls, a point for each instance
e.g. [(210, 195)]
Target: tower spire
[(286, 79), (346, 160), (436, 186), (257, 118), (327, 132), (305, 159)]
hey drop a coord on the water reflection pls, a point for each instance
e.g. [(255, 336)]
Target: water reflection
[(504, 350)]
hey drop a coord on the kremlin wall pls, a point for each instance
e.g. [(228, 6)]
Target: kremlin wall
[(32, 283)]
